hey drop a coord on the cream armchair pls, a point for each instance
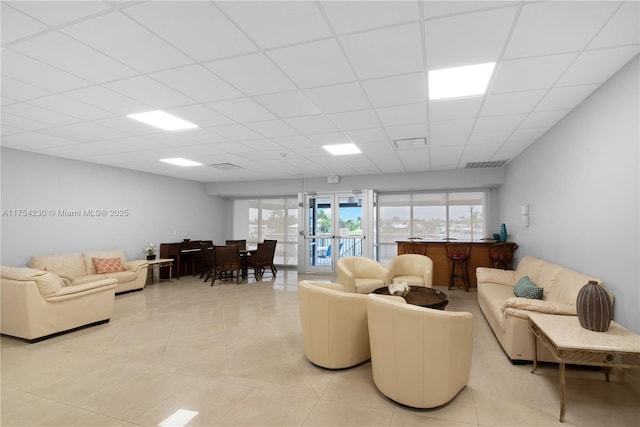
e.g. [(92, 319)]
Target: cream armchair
[(416, 270), (361, 275), (334, 325), (420, 357), (37, 303)]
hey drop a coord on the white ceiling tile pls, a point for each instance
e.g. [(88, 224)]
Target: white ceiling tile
[(403, 114), (451, 127), (20, 122), (44, 115), (150, 92), (388, 91), (278, 23), (530, 73), (473, 38), (71, 107), (539, 119), (368, 136), (329, 138), (69, 55), (445, 157), (112, 34), (128, 126), (448, 140), (20, 91), (565, 97), (242, 110), (377, 148), (84, 132), (15, 24), (288, 104), (450, 109), (295, 142), (273, 128), (35, 73), (433, 9), (493, 137), (597, 66), (235, 132), (407, 131), (414, 160), (311, 124), (314, 64), (622, 29), (200, 115), (553, 27), (478, 153), (376, 53), (204, 136), (253, 74), (56, 13), (511, 103), (506, 122), (9, 130), (351, 120), (351, 16), (210, 34), (107, 99), (198, 83), (338, 98), (509, 151)]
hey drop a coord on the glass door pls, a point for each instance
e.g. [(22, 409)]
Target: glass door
[(333, 229)]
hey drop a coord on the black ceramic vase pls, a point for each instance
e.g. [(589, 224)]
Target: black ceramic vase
[(594, 307)]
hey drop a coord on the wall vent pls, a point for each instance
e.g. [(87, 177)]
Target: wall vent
[(492, 164), (225, 166)]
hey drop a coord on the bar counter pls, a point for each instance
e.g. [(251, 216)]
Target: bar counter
[(436, 250)]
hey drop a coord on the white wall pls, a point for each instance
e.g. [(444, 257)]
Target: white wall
[(157, 206), (581, 181)]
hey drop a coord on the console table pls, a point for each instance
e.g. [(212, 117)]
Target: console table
[(570, 343), (162, 262)]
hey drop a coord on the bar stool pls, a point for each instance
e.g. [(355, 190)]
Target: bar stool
[(501, 254), (459, 254)]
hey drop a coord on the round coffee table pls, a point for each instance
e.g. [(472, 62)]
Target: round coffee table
[(419, 295)]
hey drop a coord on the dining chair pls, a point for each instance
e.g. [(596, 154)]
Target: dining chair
[(261, 259), (241, 243), (226, 260), (274, 270)]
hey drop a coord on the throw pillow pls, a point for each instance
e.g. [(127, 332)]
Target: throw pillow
[(525, 288), (107, 265)]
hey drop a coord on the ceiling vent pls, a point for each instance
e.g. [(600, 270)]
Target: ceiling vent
[(480, 165), (225, 166), (410, 143)]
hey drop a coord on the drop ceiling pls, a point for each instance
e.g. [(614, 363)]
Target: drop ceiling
[(269, 83)]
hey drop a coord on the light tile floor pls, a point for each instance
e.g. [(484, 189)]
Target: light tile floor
[(233, 353)]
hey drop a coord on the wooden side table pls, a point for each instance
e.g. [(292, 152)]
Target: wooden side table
[(570, 343), (161, 262)]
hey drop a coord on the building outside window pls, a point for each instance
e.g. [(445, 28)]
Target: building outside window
[(429, 216), (274, 219)]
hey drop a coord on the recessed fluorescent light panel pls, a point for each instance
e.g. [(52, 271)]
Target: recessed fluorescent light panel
[(459, 82), (179, 161), (162, 120), (342, 149)]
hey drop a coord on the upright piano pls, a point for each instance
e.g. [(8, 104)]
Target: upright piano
[(180, 253)]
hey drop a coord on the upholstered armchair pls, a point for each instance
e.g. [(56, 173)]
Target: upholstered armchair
[(361, 275), (334, 325), (38, 303), (416, 270), (419, 357)]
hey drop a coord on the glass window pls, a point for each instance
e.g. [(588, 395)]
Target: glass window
[(429, 216), (272, 219)]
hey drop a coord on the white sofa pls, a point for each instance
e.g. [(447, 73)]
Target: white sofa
[(37, 303), (508, 315), (79, 268)]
